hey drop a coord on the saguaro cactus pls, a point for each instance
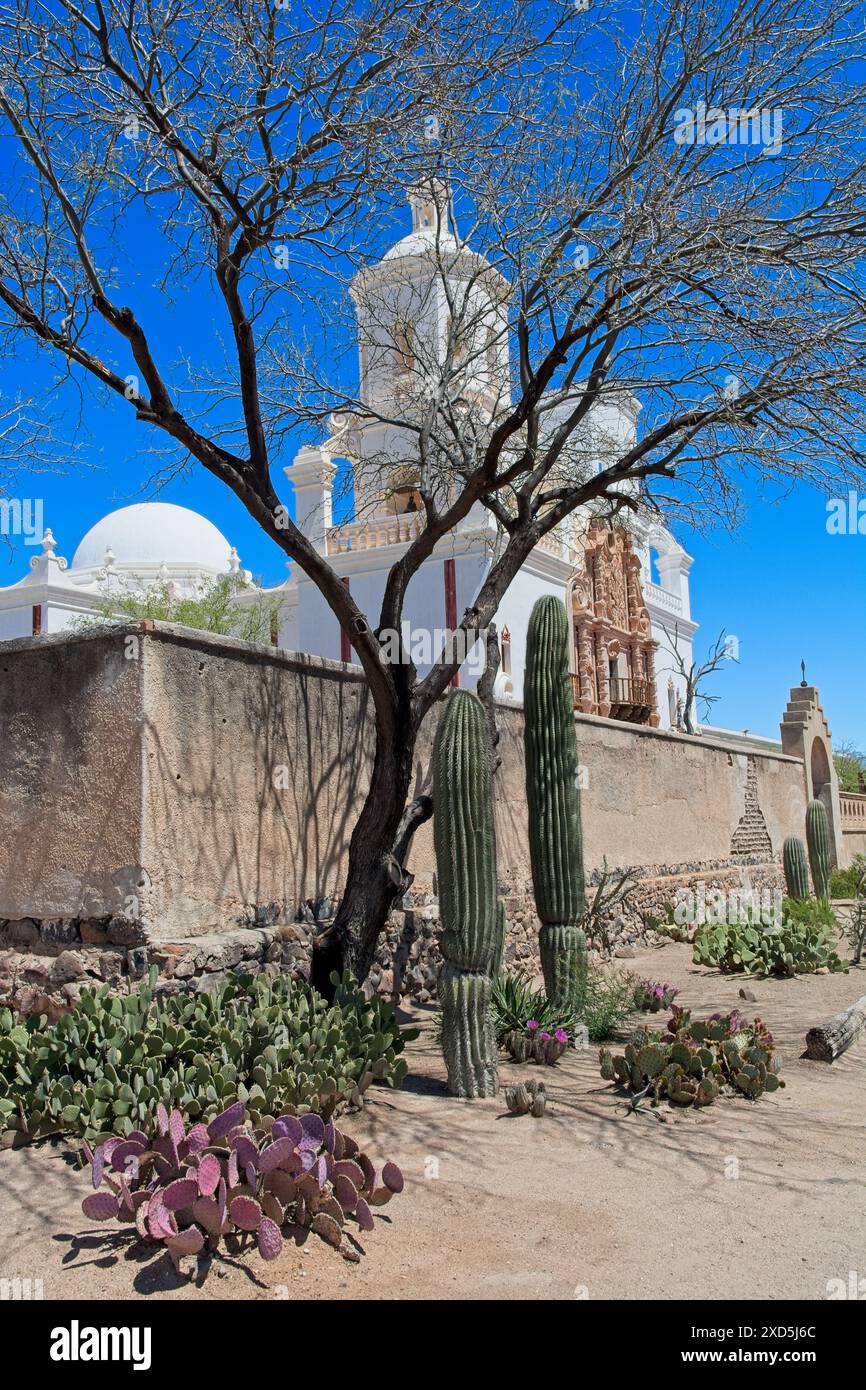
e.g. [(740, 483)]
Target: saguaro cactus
[(796, 869), (818, 840), (471, 942), (553, 797)]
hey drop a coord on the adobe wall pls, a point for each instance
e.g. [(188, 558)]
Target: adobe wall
[(167, 796)]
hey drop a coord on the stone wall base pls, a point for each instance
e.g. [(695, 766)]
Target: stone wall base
[(44, 966)]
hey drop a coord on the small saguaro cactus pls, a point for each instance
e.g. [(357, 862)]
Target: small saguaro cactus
[(473, 920), (818, 840), (796, 868), (553, 798)]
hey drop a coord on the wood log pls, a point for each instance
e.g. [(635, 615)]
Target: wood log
[(830, 1040)]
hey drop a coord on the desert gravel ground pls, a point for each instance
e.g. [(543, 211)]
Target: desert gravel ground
[(764, 1200)]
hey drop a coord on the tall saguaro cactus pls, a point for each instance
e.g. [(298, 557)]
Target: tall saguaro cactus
[(818, 840), (796, 869), (553, 797), (471, 942)]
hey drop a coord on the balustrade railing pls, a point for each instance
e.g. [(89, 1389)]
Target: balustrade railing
[(623, 691), (374, 535), (853, 808)]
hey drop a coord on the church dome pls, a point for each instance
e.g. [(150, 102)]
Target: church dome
[(150, 534)]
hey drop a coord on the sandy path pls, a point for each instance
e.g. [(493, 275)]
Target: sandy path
[(588, 1202)]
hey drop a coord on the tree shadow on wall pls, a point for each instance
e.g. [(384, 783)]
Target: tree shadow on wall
[(254, 787)]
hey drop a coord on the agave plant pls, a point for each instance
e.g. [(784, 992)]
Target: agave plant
[(515, 1004), (187, 1187)]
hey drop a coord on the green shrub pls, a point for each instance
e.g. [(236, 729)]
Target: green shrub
[(693, 1062), (844, 882), (273, 1044), (850, 767), (605, 1001), (802, 943), (211, 608)]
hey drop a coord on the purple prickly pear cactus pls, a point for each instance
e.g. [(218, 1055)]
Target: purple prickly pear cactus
[(186, 1242), (197, 1139), (246, 1213), (345, 1192), (176, 1128), (100, 1206), (276, 1154), (221, 1124), (392, 1178), (288, 1127), (270, 1240), (364, 1215), (122, 1153), (178, 1192), (209, 1174), (314, 1128)]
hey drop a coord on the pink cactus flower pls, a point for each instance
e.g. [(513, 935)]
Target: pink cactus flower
[(561, 1035), (532, 1025)]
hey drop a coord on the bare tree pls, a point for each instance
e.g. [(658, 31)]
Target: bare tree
[(694, 673), (669, 199)]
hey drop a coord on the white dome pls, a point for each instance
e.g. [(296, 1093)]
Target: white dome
[(150, 534)]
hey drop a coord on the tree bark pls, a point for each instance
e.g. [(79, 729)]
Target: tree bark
[(375, 874), (830, 1040)]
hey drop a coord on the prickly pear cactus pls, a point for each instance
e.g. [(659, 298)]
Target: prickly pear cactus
[(796, 868), (694, 1061), (818, 840), (471, 942), (553, 799)]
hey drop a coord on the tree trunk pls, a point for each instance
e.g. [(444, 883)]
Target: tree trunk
[(374, 876)]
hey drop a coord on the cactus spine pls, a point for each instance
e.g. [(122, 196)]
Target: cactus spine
[(796, 869), (553, 799), (818, 840), (473, 920)]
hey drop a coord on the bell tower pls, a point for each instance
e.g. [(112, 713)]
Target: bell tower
[(431, 323)]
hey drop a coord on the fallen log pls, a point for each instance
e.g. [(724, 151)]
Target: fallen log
[(830, 1040)]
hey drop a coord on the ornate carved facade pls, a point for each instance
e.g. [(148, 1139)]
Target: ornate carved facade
[(614, 652)]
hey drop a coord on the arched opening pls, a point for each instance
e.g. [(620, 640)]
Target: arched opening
[(821, 773)]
